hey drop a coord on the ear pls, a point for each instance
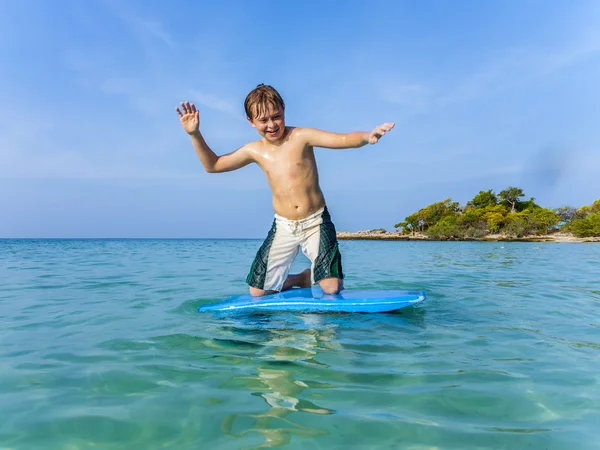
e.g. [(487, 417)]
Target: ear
[(251, 123)]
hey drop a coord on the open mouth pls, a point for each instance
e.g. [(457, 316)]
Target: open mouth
[(272, 133)]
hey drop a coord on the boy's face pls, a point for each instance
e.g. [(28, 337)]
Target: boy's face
[(270, 124)]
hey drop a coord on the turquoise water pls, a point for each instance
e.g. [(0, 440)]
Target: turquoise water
[(101, 346)]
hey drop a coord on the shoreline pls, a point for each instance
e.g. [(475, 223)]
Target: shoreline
[(381, 235)]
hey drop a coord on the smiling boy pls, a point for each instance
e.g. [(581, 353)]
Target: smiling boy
[(302, 221)]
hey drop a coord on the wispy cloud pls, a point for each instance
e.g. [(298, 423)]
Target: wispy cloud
[(213, 101), (25, 159), (138, 76), (145, 95), (151, 29), (62, 164), (520, 66), (147, 31), (508, 69), (406, 94)]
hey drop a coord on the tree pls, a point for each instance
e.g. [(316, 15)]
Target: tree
[(590, 226), (510, 216), (528, 204), (585, 210), (483, 199), (430, 215), (472, 222), (567, 214), (494, 221), (587, 220), (582, 222), (447, 227), (402, 226), (543, 220), (516, 224), (511, 196)]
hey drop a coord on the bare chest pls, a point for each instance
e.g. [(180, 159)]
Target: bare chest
[(290, 163)]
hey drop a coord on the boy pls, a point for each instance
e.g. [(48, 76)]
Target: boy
[(286, 156)]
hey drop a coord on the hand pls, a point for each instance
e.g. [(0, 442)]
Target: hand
[(189, 118), (378, 132)]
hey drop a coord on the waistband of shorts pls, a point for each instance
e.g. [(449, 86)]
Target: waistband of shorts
[(305, 219)]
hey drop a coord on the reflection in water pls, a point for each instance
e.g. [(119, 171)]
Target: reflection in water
[(283, 393)]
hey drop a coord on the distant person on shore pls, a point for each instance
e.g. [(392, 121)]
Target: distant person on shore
[(302, 220)]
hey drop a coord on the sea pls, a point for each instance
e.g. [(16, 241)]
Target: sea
[(102, 347)]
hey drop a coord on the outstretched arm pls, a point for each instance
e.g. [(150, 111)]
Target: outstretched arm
[(355, 139), (211, 162)]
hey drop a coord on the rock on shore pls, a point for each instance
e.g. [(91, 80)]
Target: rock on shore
[(383, 235)]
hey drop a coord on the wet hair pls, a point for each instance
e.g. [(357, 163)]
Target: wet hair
[(260, 98)]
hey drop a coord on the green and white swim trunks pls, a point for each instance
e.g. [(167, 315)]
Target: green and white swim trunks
[(314, 234)]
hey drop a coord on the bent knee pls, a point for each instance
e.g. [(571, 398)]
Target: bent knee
[(331, 285), (255, 292)]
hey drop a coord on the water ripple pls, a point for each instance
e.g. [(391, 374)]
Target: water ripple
[(102, 346)]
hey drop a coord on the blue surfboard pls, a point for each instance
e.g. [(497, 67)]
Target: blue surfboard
[(314, 300)]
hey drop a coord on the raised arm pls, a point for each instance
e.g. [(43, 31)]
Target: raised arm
[(355, 139), (211, 162)]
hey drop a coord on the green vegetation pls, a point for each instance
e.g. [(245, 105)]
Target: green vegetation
[(505, 213)]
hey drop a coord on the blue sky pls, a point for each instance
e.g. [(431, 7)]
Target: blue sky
[(484, 95)]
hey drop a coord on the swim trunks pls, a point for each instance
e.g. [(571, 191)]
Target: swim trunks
[(314, 234)]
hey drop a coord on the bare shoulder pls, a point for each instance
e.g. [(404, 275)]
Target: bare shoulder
[(297, 131), (307, 132), (253, 147), (256, 150), (300, 134)]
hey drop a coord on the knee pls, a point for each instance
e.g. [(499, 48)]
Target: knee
[(331, 285), (254, 292)]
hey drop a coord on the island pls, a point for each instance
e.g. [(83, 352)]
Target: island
[(492, 217)]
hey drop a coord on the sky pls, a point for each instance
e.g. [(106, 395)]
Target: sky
[(485, 95)]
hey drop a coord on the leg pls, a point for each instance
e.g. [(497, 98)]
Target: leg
[(269, 271), (321, 247), (254, 292), (301, 280), (331, 285)]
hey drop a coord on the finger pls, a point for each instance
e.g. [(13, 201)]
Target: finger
[(183, 107), (193, 108), (178, 112)]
